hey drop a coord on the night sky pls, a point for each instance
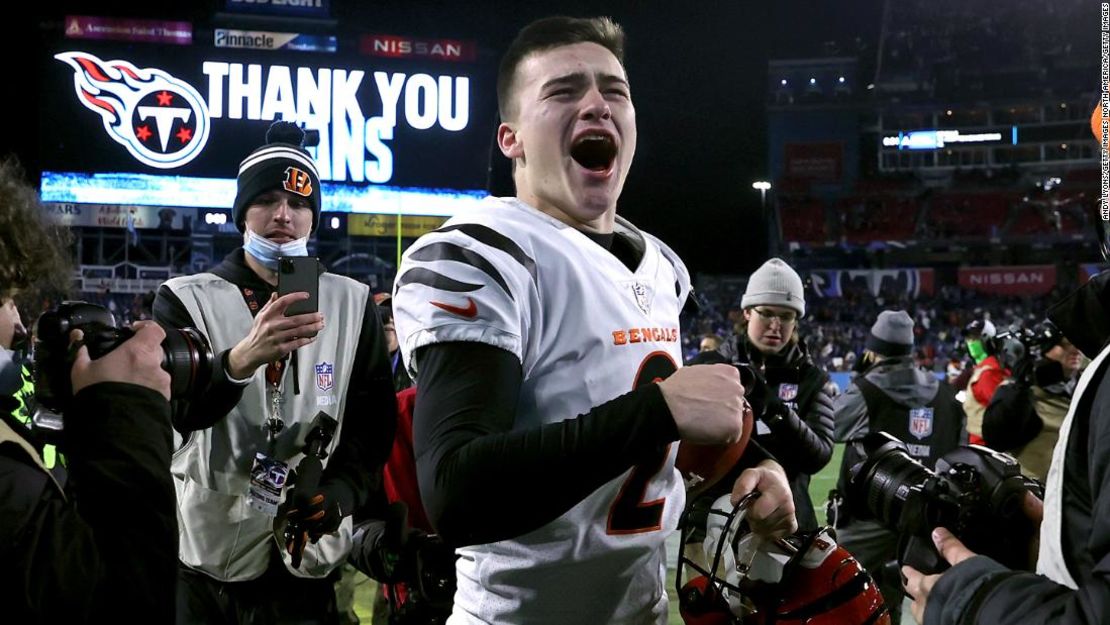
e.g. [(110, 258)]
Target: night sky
[(698, 73)]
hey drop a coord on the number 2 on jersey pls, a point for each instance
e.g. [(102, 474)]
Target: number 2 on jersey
[(630, 514)]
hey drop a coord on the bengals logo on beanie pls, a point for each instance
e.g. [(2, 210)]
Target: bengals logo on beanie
[(298, 181), (282, 163)]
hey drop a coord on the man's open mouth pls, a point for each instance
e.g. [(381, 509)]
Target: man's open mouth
[(595, 152)]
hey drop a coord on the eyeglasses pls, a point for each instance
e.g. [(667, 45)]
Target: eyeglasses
[(785, 318)]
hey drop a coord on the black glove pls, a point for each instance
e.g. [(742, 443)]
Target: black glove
[(316, 513), (1048, 372), (314, 509), (1022, 373), (392, 562), (756, 391)]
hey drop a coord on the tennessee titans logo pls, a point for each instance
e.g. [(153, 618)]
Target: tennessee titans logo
[(161, 120), (921, 422), (325, 379)]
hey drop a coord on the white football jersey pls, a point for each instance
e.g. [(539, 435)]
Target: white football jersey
[(586, 330)]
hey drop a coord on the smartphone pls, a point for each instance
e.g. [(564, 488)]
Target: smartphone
[(299, 274)]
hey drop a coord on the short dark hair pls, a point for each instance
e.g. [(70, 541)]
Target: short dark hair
[(553, 32), (713, 337), (33, 252)]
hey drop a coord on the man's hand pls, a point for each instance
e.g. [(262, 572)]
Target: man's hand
[(707, 403), (138, 360), (311, 515), (919, 586), (273, 336), (772, 513)]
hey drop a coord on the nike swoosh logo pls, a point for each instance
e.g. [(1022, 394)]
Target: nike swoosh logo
[(470, 312)]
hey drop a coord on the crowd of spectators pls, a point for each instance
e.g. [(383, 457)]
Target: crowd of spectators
[(835, 328), (952, 48), (965, 215)]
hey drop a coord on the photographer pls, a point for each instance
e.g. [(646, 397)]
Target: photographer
[(793, 406), (895, 396), (1071, 584), (986, 376), (103, 549), (1026, 412), (275, 372)]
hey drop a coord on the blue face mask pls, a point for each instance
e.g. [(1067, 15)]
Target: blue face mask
[(267, 252)]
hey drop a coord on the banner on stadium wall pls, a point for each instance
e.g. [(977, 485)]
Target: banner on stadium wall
[(292, 8), (267, 40), (817, 162), (386, 225), (836, 282), (1015, 280), (150, 31), (116, 216), (403, 46)]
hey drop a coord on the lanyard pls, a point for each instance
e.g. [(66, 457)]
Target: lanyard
[(274, 373)]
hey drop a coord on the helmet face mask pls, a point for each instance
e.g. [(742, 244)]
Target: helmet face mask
[(806, 578), (708, 598)]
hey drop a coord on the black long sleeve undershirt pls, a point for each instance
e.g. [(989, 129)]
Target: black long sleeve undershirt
[(482, 482)]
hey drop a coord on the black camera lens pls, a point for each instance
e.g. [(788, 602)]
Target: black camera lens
[(889, 479), (188, 359), (880, 483)]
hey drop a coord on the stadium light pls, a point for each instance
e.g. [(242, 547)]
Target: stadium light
[(783, 82), (813, 81), (763, 186), (840, 80), (335, 223)]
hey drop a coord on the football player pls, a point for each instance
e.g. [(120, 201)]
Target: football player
[(538, 326)]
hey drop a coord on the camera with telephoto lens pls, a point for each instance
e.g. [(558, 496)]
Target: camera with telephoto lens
[(1017, 344), (975, 492), (186, 355), (429, 582)]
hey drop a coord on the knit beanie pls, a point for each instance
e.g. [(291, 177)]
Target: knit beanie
[(775, 284), (892, 334), (282, 163)]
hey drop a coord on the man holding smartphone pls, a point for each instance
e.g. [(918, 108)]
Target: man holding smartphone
[(278, 370)]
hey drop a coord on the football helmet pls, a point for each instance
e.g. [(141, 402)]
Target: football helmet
[(740, 578)]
